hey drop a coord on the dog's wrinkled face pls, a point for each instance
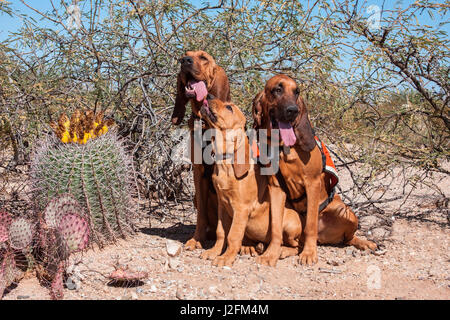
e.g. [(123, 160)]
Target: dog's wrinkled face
[(280, 106), (197, 66), (222, 115), (230, 138), (282, 95)]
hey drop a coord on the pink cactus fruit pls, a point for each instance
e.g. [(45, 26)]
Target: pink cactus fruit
[(20, 233), (74, 231), (5, 222)]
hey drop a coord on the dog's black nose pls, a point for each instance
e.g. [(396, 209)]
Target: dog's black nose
[(186, 60), (291, 112)]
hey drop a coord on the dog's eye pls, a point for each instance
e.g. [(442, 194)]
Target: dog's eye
[(277, 90), (204, 58), (297, 91), (229, 107)]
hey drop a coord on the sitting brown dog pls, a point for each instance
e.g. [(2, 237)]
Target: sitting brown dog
[(280, 106), (198, 76), (243, 195)]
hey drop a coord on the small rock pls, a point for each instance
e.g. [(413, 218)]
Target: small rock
[(226, 268), (173, 263), (139, 290), (349, 251), (213, 290), (379, 252), (23, 297), (153, 289), (173, 248), (179, 294), (335, 261), (71, 284)]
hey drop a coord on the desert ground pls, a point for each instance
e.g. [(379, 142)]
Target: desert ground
[(412, 261)]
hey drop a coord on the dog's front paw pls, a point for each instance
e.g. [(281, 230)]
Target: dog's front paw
[(210, 254), (224, 260), (288, 252), (308, 256), (192, 244), (268, 259), (248, 250)]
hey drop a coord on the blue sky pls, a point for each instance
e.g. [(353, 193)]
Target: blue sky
[(11, 24)]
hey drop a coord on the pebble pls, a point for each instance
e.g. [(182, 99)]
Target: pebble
[(179, 294), (335, 261), (349, 251), (379, 252), (173, 248), (23, 297), (173, 263), (71, 284), (153, 289), (213, 290)]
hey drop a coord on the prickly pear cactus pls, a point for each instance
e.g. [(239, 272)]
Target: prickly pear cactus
[(7, 270), (96, 170), (57, 207), (74, 231), (20, 233), (5, 222)]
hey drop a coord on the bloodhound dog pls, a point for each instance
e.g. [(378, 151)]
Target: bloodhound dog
[(198, 76), (280, 106), (243, 194)]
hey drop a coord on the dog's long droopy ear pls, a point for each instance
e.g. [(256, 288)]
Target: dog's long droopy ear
[(180, 103), (257, 111), (303, 129), (241, 163)]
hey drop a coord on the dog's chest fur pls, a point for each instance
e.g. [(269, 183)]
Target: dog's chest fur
[(234, 194)]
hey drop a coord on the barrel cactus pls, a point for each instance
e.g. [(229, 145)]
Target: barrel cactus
[(88, 160)]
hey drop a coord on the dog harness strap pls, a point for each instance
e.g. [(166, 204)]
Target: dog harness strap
[(328, 168)]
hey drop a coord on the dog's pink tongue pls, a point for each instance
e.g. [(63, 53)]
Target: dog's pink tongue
[(198, 88), (287, 133)]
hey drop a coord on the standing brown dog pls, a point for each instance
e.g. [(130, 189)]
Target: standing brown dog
[(198, 76), (280, 106)]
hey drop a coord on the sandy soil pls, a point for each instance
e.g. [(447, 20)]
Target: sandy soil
[(413, 263)]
